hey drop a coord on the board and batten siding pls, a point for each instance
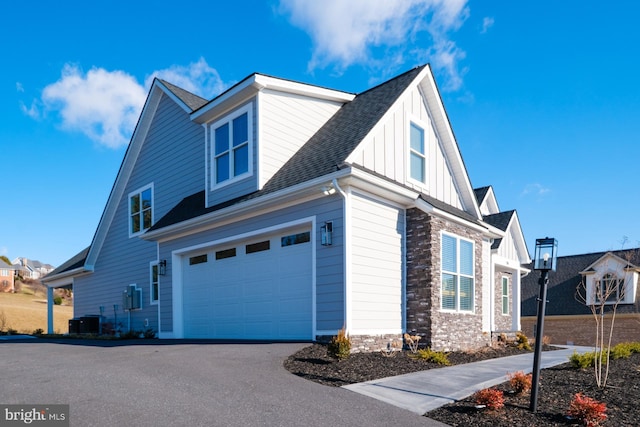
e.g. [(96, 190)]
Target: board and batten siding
[(287, 121), (507, 247), (170, 159), (377, 272), (329, 272), (386, 150)]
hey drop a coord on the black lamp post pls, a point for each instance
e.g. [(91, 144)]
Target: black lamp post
[(544, 261)]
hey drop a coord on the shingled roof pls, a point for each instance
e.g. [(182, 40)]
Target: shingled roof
[(324, 153), (481, 193), (191, 100), (563, 283), (76, 261)]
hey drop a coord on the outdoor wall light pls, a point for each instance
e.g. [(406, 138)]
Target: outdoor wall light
[(545, 260), (328, 190), (162, 267), (326, 234), (546, 254)]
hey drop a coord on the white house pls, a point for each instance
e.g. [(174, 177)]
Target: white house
[(284, 211)]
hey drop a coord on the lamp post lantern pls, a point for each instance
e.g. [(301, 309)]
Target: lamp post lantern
[(544, 261)]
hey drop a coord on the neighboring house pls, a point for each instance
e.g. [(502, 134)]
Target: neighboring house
[(7, 277), (31, 269), (285, 211), (569, 317)]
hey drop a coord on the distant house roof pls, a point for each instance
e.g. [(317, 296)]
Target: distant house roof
[(563, 283), (324, 153), (3, 264)]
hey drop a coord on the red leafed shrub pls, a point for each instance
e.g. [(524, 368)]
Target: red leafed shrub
[(490, 397), (588, 410), (519, 382)]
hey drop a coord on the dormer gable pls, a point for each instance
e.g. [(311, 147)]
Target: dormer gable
[(255, 127), (486, 200), (611, 279)]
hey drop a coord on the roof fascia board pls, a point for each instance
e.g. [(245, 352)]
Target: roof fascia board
[(274, 201), (521, 244), (602, 259), (172, 95), (428, 208), (254, 84), (126, 168), (431, 94), (381, 187), (55, 281)]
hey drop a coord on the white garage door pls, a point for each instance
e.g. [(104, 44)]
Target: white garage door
[(255, 289)]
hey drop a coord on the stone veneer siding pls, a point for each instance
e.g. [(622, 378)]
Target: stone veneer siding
[(439, 330), (503, 322), (366, 343)]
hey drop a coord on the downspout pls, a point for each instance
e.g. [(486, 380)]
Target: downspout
[(346, 223)]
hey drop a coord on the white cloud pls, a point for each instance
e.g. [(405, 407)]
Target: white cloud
[(19, 87), (535, 189), (197, 77), (487, 23), (105, 105), (344, 32)]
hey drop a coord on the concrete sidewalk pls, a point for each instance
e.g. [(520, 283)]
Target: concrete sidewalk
[(424, 391)]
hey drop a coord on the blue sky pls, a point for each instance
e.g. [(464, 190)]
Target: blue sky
[(542, 96)]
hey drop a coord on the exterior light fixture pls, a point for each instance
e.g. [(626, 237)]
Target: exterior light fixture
[(545, 260), (328, 190), (162, 267), (326, 234)]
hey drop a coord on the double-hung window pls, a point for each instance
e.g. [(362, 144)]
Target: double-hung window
[(610, 289), (457, 293), (140, 210), (155, 284), (417, 154), (231, 146), (505, 295)]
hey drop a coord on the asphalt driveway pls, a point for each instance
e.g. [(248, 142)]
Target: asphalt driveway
[(174, 383)]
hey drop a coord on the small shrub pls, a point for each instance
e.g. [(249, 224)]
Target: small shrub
[(621, 351), (582, 361), (38, 331), (392, 348), (438, 357), (490, 397), (57, 300), (587, 410), (340, 345), (522, 342), (520, 382), (412, 342), (149, 333)]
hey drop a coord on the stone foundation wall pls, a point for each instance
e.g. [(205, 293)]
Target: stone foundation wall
[(440, 330), (367, 343), (580, 330)]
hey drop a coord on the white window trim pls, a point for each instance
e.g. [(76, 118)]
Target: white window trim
[(424, 126), (505, 295), (153, 264), (212, 148), (458, 274), (139, 191), (621, 287)]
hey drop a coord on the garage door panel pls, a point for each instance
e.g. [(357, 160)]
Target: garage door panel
[(260, 295)]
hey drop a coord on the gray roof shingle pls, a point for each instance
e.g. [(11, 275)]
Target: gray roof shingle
[(193, 101), (481, 193)]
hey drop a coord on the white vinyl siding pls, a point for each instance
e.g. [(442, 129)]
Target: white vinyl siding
[(457, 292), (377, 259), (287, 121)]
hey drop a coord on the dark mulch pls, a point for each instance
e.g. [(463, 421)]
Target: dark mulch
[(558, 385)]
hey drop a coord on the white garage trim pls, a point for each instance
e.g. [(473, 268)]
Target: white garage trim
[(177, 259)]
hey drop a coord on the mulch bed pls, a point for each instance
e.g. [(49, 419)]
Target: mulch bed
[(558, 386)]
